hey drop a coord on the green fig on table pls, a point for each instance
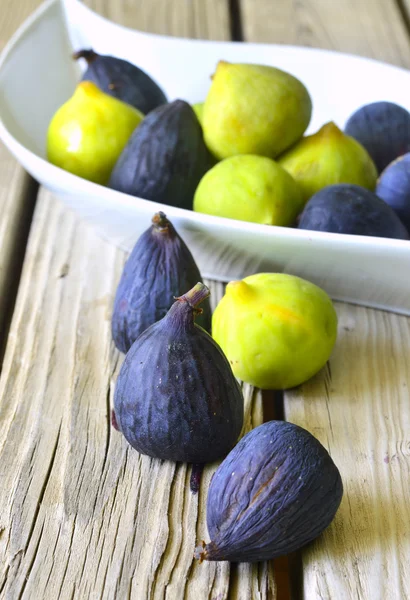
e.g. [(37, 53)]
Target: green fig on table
[(88, 132)]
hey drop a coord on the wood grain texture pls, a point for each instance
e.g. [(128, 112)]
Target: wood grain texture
[(375, 29), (12, 15), (186, 18), (17, 192), (82, 514), (358, 407)]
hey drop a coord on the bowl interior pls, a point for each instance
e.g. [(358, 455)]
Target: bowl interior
[(37, 73)]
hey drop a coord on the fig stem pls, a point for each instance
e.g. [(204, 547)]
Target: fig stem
[(200, 552), (160, 220), (196, 474), (196, 295), (89, 55)]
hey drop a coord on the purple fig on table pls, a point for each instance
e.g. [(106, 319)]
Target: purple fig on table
[(159, 269), (277, 490), (176, 397)]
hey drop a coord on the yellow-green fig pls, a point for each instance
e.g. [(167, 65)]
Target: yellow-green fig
[(254, 109), (249, 188), (329, 157), (276, 330), (199, 110), (88, 133)]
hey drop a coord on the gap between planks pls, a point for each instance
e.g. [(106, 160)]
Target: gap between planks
[(18, 194)]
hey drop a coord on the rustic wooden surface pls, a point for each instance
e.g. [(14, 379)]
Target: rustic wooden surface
[(375, 29), (358, 407), (82, 515), (184, 18), (17, 191)]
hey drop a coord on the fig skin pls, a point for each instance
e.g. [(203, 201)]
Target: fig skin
[(328, 157), (176, 397), (123, 80), (351, 209), (383, 128), (277, 330), (254, 109), (275, 492), (249, 188), (198, 109), (166, 160), (87, 133), (159, 269), (394, 188)]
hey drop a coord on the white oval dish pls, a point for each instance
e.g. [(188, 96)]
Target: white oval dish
[(37, 75)]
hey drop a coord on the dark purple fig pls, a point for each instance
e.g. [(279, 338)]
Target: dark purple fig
[(277, 490), (176, 397), (159, 269), (383, 128), (165, 157), (394, 188), (351, 209), (123, 80)]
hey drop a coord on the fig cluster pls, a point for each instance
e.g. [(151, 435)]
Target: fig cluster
[(241, 153), (177, 397)]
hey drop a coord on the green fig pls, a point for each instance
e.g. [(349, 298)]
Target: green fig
[(329, 157), (199, 110), (249, 188), (277, 330), (254, 109), (88, 133)]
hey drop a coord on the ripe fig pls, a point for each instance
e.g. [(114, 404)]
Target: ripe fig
[(275, 492), (394, 188), (88, 133), (167, 158), (249, 188), (383, 128), (254, 109), (198, 109), (351, 209), (176, 397), (159, 269), (123, 80), (276, 330), (328, 157)]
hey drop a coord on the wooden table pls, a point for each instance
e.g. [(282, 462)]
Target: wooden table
[(82, 515)]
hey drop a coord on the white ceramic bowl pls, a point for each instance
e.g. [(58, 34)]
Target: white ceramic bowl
[(37, 75)]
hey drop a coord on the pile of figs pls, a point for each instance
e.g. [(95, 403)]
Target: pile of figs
[(241, 154), (177, 396)]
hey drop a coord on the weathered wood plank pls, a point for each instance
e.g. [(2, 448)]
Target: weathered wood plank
[(373, 29), (13, 15), (358, 408), (17, 193), (185, 18), (81, 514)]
